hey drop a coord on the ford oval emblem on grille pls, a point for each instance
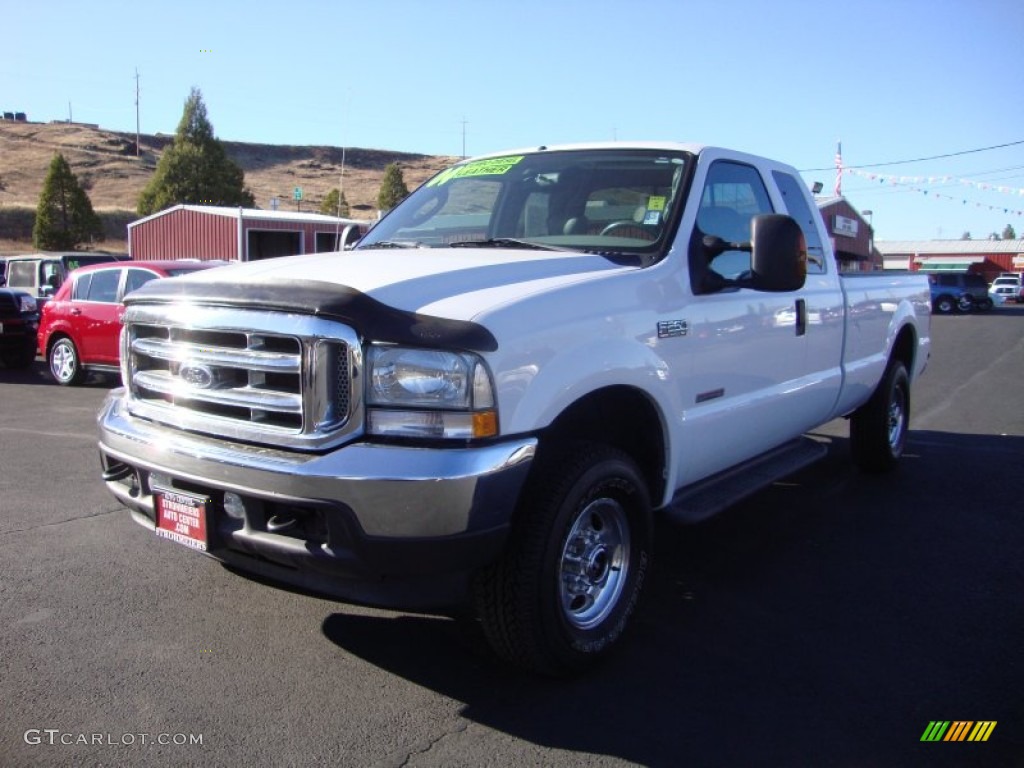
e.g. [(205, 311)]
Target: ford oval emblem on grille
[(198, 376)]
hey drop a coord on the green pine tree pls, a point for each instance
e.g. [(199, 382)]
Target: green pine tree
[(335, 204), (195, 169), (1009, 233), (64, 216), (392, 188)]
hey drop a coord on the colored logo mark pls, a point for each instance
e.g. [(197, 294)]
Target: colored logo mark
[(958, 730)]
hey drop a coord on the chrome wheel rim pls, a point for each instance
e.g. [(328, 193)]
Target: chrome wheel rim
[(62, 362), (594, 564), (896, 419)]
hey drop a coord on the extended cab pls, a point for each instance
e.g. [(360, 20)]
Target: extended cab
[(506, 382)]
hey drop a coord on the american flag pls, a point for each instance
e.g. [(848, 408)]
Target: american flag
[(839, 169)]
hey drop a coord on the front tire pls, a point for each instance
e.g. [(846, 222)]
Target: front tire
[(65, 365), (563, 592), (944, 305), (878, 429)]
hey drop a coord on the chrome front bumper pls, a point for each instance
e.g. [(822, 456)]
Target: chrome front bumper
[(366, 509)]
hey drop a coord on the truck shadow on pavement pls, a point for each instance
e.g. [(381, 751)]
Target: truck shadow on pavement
[(824, 621)]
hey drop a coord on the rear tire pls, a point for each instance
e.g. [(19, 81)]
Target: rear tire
[(65, 365), (878, 429), (562, 593)]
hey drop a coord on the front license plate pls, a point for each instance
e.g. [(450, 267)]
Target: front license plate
[(181, 517)]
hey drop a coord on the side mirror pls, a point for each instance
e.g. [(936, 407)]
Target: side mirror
[(778, 254)]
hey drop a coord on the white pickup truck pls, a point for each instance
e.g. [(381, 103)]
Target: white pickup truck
[(500, 391)]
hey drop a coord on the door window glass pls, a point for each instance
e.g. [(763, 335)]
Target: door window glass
[(104, 286), (733, 194)]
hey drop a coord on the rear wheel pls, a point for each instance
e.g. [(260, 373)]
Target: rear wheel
[(965, 303), (564, 590), (878, 429), (65, 365)]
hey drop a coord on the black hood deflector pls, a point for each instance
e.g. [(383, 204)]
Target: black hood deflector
[(373, 320)]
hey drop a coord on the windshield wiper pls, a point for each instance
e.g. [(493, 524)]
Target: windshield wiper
[(506, 242), (394, 244)]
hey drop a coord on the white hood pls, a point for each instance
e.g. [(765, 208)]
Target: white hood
[(457, 283)]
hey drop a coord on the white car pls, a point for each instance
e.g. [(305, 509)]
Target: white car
[(1006, 289)]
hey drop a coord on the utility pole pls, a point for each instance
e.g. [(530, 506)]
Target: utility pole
[(463, 138), (136, 111)]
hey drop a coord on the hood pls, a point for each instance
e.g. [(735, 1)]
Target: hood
[(415, 296), (459, 284)]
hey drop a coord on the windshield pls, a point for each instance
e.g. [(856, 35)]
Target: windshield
[(607, 200)]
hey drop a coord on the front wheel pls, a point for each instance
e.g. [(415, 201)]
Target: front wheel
[(564, 590), (65, 365), (878, 429)]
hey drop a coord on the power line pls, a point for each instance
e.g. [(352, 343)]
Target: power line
[(919, 159)]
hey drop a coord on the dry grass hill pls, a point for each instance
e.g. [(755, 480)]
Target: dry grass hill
[(105, 163)]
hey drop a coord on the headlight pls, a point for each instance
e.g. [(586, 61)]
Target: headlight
[(429, 393), (28, 304)]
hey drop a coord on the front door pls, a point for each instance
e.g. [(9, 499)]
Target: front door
[(747, 383)]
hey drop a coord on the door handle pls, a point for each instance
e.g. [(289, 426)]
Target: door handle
[(801, 317)]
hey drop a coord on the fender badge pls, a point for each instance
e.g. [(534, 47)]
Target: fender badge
[(668, 329)]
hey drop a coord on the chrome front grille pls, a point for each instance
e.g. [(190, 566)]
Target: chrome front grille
[(274, 378)]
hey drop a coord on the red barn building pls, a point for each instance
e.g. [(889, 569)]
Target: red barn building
[(853, 239), (988, 258), (207, 232)]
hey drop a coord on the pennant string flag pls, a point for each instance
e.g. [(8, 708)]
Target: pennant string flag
[(913, 183)]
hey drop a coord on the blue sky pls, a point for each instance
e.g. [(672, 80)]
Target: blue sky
[(894, 80)]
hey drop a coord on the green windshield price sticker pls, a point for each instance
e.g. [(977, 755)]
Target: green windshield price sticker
[(494, 166)]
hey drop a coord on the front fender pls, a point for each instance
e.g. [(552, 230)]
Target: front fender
[(532, 396)]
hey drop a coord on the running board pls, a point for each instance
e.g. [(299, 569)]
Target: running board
[(719, 492)]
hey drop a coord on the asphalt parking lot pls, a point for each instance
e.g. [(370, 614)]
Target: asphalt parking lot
[(826, 621)]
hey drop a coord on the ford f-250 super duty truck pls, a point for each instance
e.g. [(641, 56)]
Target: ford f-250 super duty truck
[(504, 385)]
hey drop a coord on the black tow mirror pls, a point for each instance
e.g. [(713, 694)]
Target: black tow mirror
[(778, 254)]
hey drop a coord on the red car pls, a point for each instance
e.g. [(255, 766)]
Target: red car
[(81, 325)]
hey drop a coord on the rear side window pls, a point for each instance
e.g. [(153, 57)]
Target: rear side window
[(137, 278), (82, 283), (797, 207), (21, 274), (104, 286)]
